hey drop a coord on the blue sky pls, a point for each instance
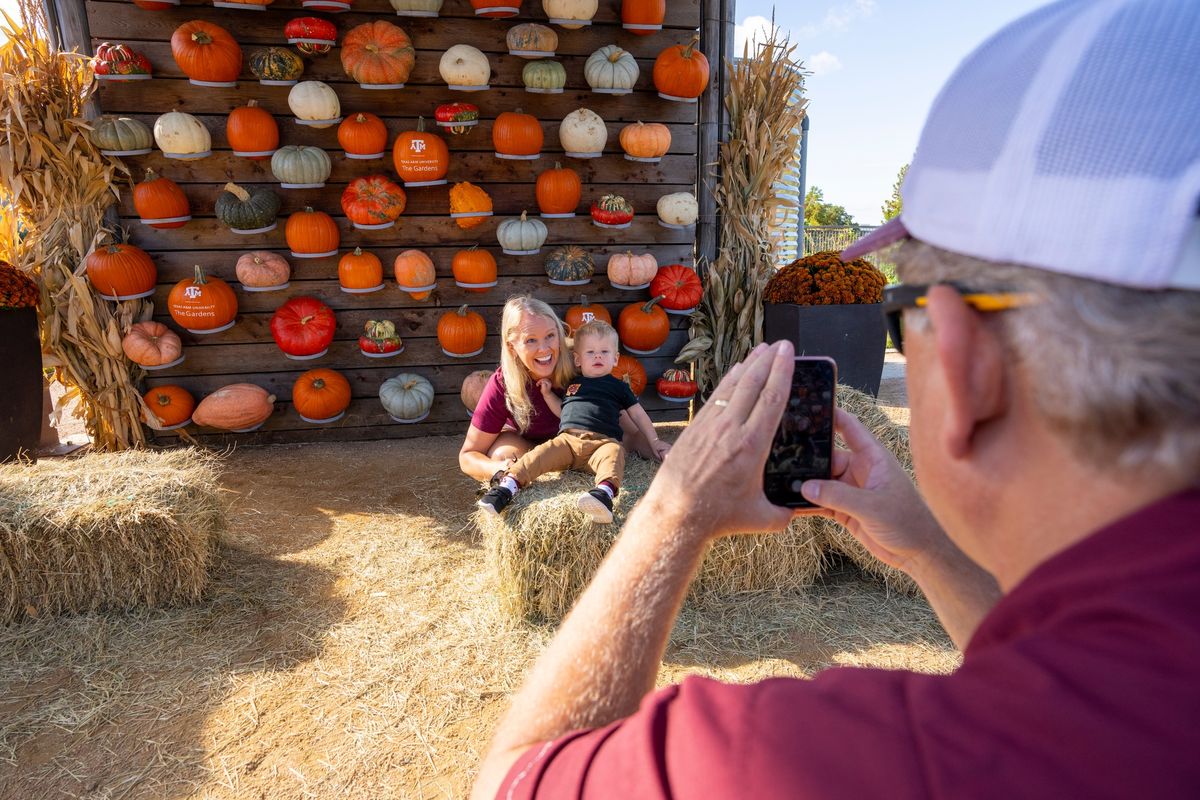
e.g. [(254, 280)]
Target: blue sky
[(877, 66)]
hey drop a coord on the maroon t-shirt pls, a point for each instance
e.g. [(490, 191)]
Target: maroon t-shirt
[(492, 415), (1083, 682)]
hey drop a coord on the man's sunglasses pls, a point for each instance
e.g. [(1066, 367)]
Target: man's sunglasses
[(900, 296)]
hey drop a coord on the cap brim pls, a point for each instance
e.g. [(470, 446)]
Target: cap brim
[(886, 234)]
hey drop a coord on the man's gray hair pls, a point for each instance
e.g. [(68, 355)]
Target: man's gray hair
[(1116, 370)]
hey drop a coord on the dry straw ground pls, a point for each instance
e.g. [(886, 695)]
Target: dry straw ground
[(352, 646)]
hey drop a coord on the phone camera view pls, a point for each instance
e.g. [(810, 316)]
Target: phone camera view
[(803, 446)]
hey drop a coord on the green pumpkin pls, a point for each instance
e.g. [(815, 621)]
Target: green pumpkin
[(570, 263), (245, 210), (301, 164), (544, 74), (276, 64), (121, 133), (407, 397)]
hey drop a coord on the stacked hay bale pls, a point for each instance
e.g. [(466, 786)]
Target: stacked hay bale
[(107, 531), (544, 551)]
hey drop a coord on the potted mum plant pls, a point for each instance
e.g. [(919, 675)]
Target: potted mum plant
[(21, 403), (827, 307)]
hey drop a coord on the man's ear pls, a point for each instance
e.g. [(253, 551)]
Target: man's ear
[(972, 362)]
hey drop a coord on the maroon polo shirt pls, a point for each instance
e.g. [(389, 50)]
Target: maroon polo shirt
[(1083, 682), (492, 415)]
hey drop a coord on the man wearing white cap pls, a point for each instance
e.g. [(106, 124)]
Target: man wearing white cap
[(1050, 313)]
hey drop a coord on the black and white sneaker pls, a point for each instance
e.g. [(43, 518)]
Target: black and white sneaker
[(597, 505), (496, 500)]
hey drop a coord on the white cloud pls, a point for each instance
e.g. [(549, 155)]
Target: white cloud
[(823, 63), (838, 18), (752, 30)]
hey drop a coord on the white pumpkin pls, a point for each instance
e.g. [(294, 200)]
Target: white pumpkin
[(315, 100), (611, 67), (417, 8), (464, 65), (583, 131), (408, 397), (522, 235), (181, 134), (582, 10), (301, 165), (679, 208)]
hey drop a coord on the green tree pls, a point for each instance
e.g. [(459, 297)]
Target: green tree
[(895, 204), (818, 212)]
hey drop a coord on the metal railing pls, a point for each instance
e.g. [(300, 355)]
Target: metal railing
[(838, 237)]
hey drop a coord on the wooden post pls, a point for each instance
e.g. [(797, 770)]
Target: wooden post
[(69, 25), (716, 34)]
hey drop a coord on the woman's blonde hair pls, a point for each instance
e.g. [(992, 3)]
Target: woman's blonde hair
[(517, 379)]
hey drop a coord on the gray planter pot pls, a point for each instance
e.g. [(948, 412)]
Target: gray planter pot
[(854, 336)]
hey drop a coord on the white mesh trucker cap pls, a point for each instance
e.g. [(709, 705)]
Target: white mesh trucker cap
[(1069, 141)]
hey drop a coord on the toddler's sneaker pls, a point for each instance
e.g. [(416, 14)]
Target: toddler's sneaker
[(496, 500), (597, 505)]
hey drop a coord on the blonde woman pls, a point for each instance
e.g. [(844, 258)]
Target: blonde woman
[(512, 415)]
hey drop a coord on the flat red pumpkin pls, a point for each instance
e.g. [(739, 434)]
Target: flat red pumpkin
[(303, 326)]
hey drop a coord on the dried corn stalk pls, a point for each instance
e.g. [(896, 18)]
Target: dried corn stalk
[(59, 186), (765, 113)]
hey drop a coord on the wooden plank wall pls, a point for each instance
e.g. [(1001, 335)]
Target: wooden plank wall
[(247, 352)]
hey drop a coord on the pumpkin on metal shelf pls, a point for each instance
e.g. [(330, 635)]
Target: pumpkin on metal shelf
[(206, 53), (643, 327), (570, 14), (544, 76), (558, 191), (168, 407), (152, 345), (248, 211), (301, 166), (643, 17), (276, 66), (203, 304), (631, 370), (612, 211), (421, 157), (676, 386), (681, 72), (469, 205), (121, 136), (237, 407), (679, 287), (311, 234), (521, 237), (312, 36), (458, 118), (629, 271), (678, 210), (380, 340), (465, 68), (121, 272), (611, 70), (252, 132), (461, 333), (578, 316), (303, 328), (517, 136), (156, 5), (415, 274), (120, 62), (360, 272), (569, 265), (417, 8), (315, 103), (321, 395), (583, 134), (378, 55), (407, 397), (474, 269), (363, 136), (531, 40), (496, 9), (373, 202), (263, 271), (328, 6), (180, 135), (160, 202), (647, 142), (473, 386)]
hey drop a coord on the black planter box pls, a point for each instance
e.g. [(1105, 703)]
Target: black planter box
[(854, 336), (21, 400)]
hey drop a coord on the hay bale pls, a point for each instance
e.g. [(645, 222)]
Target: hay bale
[(107, 531), (544, 551)]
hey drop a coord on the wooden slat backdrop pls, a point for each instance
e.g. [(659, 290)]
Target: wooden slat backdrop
[(247, 352)]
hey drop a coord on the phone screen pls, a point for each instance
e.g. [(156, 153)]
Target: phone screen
[(803, 446)]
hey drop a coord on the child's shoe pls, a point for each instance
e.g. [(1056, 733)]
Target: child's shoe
[(597, 505), (496, 500)]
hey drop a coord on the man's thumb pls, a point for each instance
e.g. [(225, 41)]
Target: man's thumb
[(836, 496)]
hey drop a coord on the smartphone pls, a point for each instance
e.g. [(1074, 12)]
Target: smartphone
[(803, 446)]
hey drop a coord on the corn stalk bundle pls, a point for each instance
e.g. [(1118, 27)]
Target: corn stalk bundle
[(764, 112), (59, 185)]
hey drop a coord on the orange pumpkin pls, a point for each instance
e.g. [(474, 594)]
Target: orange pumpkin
[(472, 387), (643, 17), (378, 53), (321, 395), (585, 312), (363, 136), (630, 370), (206, 53), (681, 71), (518, 135), (558, 191), (202, 304), (469, 205), (121, 272), (171, 406), (421, 158), (360, 272), (237, 407), (645, 142), (157, 198), (151, 344), (496, 9), (311, 234), (474, 269), (373, 202), (252, 131), (643, 327), (415, 274), (461, 333)]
